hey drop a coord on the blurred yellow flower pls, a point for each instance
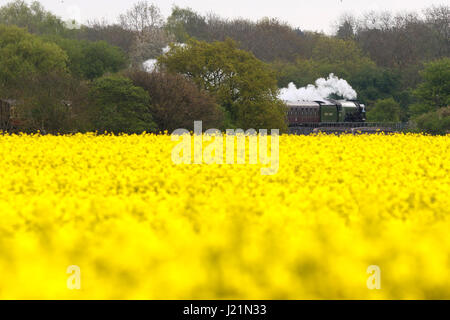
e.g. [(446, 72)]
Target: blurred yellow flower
[(141, 227)]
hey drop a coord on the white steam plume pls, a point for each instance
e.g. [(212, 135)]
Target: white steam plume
[(152, 64), (321, 91)]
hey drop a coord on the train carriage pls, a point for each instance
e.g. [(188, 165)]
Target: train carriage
[(303, 112), (326, 111)]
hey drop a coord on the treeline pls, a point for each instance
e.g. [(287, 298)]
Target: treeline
[(66, 78)]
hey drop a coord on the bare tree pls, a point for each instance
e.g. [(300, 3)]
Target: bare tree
[(438, 18), (268, 39), (346, 26), (142, 17), (147, 24), (405, 39), (114, 34)]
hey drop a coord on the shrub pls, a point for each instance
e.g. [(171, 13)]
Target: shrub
[(176, 101), (120, 107)]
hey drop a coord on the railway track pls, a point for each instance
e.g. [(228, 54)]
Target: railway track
[(348, 128)]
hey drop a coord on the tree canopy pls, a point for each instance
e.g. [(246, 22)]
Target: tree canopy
[(120, 107), (33, 17), (234, 77), (434, 91), (24, 56), (90, 60), (385, 110), (176, 101)]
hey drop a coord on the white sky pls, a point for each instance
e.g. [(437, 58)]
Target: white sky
[(316, 15)]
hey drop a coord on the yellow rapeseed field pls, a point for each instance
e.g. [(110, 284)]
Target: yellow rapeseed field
[(140, 227)]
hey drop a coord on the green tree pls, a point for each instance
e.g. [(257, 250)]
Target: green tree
[(243, 85), (385, 110), (33, 17), (329, 55), (184, 23), (435, 122), (434, 91), (90, 60), (331, 50), (23, 57), (373, 83), (176, 101), (346, 60), (120, 107), (47, 105)]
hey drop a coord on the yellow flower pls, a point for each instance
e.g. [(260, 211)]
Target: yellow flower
[(140, 227)]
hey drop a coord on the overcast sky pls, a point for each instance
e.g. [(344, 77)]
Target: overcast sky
[(316, 15)]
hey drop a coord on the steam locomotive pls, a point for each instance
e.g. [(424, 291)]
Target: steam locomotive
[(300, 113)]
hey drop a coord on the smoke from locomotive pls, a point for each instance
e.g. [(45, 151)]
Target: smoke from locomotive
[(322, 90), (311, 104)]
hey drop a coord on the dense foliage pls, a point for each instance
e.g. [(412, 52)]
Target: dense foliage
[(119, 106), (90, 60), (24, 56), (33, 18), (176, 102), (397, 63), (434, 91), (243, 85), (384, 110)]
